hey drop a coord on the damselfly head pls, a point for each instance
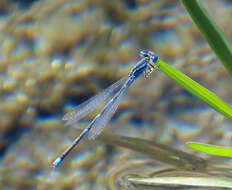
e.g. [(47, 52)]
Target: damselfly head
[(145, 53), (154, 58), (151, 63)]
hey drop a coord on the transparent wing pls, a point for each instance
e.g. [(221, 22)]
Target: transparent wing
[(89, 105), (104, 117)]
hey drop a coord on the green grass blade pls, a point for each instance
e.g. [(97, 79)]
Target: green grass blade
[(211, 149), (196, 89), (211, 32)]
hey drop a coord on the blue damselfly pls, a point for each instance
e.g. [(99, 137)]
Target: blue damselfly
[(147, 64)]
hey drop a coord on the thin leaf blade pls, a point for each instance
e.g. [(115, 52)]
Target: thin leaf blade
[(196, 89), (213, 34), (211, 149), (181, 181)]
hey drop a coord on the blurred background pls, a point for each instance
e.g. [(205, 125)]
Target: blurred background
[(56, 54)]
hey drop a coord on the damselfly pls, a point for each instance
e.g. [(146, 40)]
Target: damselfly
[(147, 62)]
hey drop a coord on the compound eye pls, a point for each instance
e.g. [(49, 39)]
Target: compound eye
[(144, 53), (155, 58)]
